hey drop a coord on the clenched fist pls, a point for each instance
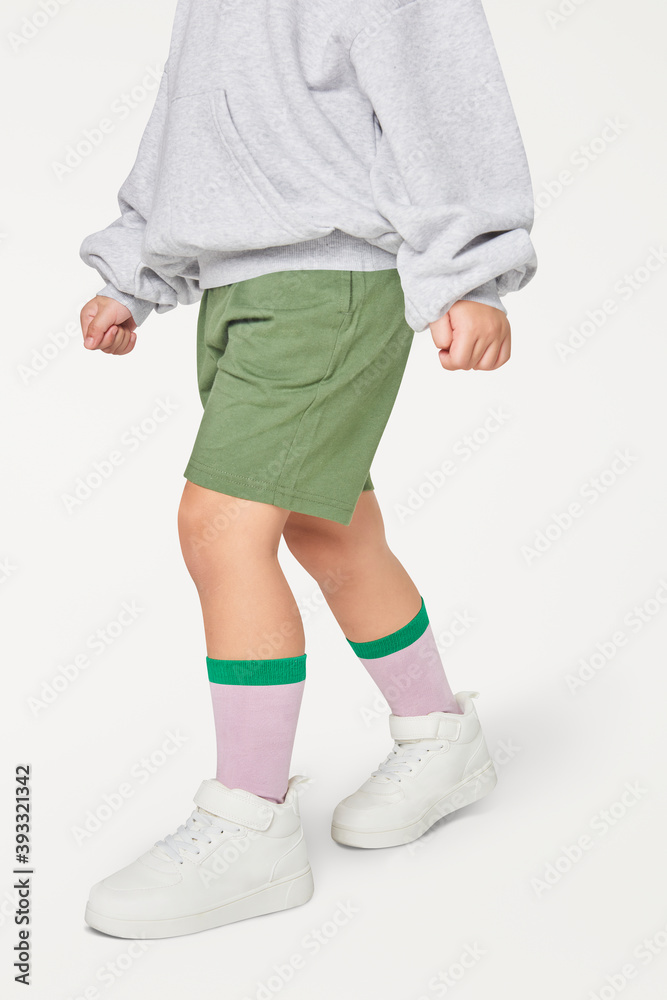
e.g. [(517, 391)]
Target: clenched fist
[(107, 326), (472, 335)]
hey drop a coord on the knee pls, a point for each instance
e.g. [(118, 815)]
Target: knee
[(200, 520), (213, 530), (323, 552), (304, 543)]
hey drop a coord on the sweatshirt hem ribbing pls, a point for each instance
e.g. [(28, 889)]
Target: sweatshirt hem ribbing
[(336, 251)]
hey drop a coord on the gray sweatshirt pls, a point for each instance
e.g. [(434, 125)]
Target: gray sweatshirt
[(347, 134)]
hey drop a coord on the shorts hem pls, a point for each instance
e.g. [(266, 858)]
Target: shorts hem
[(247, 489)]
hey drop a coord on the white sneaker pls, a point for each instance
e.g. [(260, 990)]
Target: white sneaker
[(236, 856), (439, 763)]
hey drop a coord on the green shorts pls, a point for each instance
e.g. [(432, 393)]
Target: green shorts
[(298, 372)]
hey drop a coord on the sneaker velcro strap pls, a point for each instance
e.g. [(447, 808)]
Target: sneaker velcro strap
[(423, 727), (233, 804)]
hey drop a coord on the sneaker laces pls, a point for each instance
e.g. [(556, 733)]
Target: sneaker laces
[(401, 759), (192, 835)]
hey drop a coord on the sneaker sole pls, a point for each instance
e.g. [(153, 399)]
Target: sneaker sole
[(282, 895), (464, 794)]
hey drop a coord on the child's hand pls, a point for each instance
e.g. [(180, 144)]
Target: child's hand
[(108, 326), (472, 335)]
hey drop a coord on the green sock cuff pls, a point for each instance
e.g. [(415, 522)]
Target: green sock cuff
[(252, 673), (391, 643)]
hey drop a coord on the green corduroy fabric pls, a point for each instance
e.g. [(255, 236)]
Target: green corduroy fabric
[(284, 670), (391, 643)]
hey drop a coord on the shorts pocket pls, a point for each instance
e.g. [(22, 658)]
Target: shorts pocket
[(220, 198)]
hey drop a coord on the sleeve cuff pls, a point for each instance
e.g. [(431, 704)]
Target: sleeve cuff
[(140, 308), (487, 294)]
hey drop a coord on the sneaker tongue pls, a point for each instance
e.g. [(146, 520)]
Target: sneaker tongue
[(160, 853), (424, 744)]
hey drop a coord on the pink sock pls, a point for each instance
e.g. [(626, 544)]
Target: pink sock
[(407, 668), (255, 726)]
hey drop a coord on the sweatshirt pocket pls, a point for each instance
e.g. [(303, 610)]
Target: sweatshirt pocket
[(220, 198)]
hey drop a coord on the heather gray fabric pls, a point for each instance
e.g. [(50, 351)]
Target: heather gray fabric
[(343, 134)]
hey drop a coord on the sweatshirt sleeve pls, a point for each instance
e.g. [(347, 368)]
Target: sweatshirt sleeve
[(450, 172), (116, 252)]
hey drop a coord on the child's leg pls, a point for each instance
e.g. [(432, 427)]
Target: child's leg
[(254, 635), (376, 604)]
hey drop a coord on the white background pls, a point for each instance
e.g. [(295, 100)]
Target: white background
[(477, 880)]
